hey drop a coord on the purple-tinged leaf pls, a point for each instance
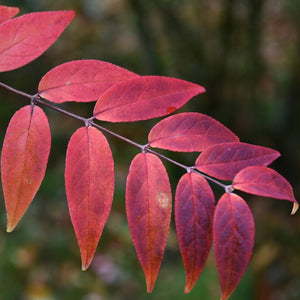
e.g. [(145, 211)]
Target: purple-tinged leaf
[(224, 161), (143, 98), (265, 182), (189, 132), (148, 207), (194, 210), (233, 232)]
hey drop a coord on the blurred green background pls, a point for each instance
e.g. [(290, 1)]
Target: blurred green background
[(246, 54)]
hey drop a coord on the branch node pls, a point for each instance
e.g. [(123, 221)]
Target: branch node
[(33, 99), (144, 148), (229, 188)]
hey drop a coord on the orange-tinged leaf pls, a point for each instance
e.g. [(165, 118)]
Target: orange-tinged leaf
[(24, 159), (25, 38), (224, 161), (148, 207), (265, 182), (233, 232), (194, 210), (189, 132), (7, 13), (143, 98), (89, 180), (81, 80)]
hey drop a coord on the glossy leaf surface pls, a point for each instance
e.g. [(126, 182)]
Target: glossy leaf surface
[(7, 13), (233, 232), (194, 210), (25, 38), (89, 179), (24, 159), (81, 80), (148, 207), (143, 98), (265, 182), (189, 132), (224, 161)]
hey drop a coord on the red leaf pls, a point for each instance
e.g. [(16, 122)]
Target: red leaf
[(189, 132), (81, 80), (224, 161), (7, 13), (89, 178), (194, 210), (233, 231), (143, 98), (25, 38), (148, 207), (265, 182), (24, 160)]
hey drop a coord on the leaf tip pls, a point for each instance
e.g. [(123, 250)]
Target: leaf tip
[(10, 227), (295, 208), (150, 288), (187, 289), (84, 266), (150, 282)]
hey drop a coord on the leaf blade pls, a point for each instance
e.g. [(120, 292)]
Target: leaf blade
[(233, 232), (24, 159), (81, 80), (143, 98), (189, 132), (194, 210), (25, 38), (89, 180), (148, 208), (7, 12), (224, 161), (263, 181)]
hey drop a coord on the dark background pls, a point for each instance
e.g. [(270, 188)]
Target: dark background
[(246, 54)]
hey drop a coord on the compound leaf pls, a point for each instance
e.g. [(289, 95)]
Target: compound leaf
[(81, 80), (189, 132), (148, 207), (7, 13), (143, 98), (24, 158), (25, 38), (194, 210), (265, 182), (233, 233), (224, 161), (89, 179)]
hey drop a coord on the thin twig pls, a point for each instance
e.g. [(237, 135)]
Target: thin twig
[(35, 99)]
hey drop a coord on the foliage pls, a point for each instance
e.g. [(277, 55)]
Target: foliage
[(123, 96)]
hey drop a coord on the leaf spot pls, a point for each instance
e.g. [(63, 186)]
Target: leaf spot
[(163, 200), (28, 181), (171, 109)]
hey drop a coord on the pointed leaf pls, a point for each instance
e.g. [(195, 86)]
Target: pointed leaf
[(265, 182), (194, 210), (24, 159), (81, 80), (224, 161), (143, 98), (7, 13), (148, 207), (89, 179), (189, 132), (233, 232), (25, 38)]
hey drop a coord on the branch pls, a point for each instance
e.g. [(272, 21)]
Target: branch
[(36, 99)]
